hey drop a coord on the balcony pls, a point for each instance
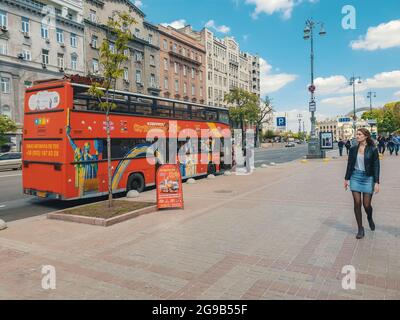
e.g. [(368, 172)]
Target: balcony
[(181, 56)]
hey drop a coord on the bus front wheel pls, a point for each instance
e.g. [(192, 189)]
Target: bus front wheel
[(136, 182)]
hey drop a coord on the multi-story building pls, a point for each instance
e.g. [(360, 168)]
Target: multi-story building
[(182, 70), (141, 70), (38, 40), (342, 127), (226, 67)]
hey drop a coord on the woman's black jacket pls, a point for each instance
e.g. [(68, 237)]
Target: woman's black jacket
[(371, 161)]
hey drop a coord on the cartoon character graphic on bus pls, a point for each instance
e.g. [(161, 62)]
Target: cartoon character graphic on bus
[(86, 165)]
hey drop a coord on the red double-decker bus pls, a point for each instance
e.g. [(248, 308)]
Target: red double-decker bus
[(65, 145)]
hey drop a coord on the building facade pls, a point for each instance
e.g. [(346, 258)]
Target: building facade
[(342, 127), (141, 69), (38, 40), (226, 66), (182, 66)]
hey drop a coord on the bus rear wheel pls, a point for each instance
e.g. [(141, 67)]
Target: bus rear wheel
[(212, 168), (136, 182)]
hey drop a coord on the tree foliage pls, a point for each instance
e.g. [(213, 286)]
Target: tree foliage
[(388, 117), (243, 106), (6, 125)]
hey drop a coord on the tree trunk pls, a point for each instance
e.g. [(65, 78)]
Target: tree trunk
[(110, 195)]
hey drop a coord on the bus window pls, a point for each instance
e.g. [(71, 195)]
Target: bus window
[(198, 113), (181, 111), (211, 115), (224, 116), (164, 109), (121, 147)]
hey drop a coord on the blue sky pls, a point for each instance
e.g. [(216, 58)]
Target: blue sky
[(274, 30)]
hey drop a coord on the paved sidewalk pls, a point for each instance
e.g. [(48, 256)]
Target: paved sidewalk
[(284, 232)]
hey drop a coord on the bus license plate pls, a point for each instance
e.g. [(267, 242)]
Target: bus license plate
[(41, 194)]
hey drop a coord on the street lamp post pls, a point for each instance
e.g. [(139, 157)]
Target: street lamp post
[(352, 82), (314, 150), (371, 94)]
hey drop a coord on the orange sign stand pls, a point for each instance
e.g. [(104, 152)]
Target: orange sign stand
[(169, 187)]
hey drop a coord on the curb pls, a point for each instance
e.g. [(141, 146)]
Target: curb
[(100, 221)]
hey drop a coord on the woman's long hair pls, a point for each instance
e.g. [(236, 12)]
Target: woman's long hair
[(366, 133)]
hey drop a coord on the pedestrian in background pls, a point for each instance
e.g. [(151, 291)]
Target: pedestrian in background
[(348, 146), (341, 146), (396, 141), (362, 175), (381, 145), (390, 144)]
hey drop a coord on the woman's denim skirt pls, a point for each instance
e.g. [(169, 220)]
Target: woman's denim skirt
[(360, 182)]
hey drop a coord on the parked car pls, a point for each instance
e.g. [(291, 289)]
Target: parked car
[(290, 145), (11, 160)]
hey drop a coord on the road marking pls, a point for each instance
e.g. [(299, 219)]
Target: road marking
[(11, 175), (2, 205)]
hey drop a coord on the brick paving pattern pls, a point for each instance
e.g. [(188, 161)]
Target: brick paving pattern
[(284, 232)]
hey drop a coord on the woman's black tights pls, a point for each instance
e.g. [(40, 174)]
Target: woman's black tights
[(366, 202)]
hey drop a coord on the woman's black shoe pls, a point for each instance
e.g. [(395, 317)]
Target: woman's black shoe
[(371, 223), (360, 234)]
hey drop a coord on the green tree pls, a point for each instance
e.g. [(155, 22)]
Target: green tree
[(112, 60), (264, 110), (6, 125), (388, 117), (243, 107)]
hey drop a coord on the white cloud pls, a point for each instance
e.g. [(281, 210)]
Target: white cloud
[(330, 85), (177, 24), (339, 84), (138, 3), (384, 36), (222, 29), (397, 94), (285, 7), (270, 82), (344, 102)]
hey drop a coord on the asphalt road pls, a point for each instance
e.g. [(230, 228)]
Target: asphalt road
[(14, 205)]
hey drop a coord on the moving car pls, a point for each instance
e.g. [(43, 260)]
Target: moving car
[(11, 160), (290, 145)]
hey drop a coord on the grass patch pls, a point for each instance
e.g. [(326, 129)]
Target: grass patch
[(101, 209)]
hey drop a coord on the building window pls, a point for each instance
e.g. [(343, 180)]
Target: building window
[(176, 67), (111, 47), (127, 52), (184, 71), (126, 74), (166, 83), (201, 75), (201, 91), (165, 44), (165, 64), (6, 111), (193, 90), (74, 40), (150, 38), (3, 46), (152, 60), (74, 61), (94, 41), (176, 86), (137, 33), (92, 16), (5, 85), (60, 60), (95, 65), (45, 56), (3, 19), (138, 76), (60, 35), (139, 56), (26, 54), (185, 88), (152, 81), (193, 72), (44, 31), (25, 25), (174, 47), (184, 52)]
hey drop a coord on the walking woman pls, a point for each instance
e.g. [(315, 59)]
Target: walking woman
[(362, 174)]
